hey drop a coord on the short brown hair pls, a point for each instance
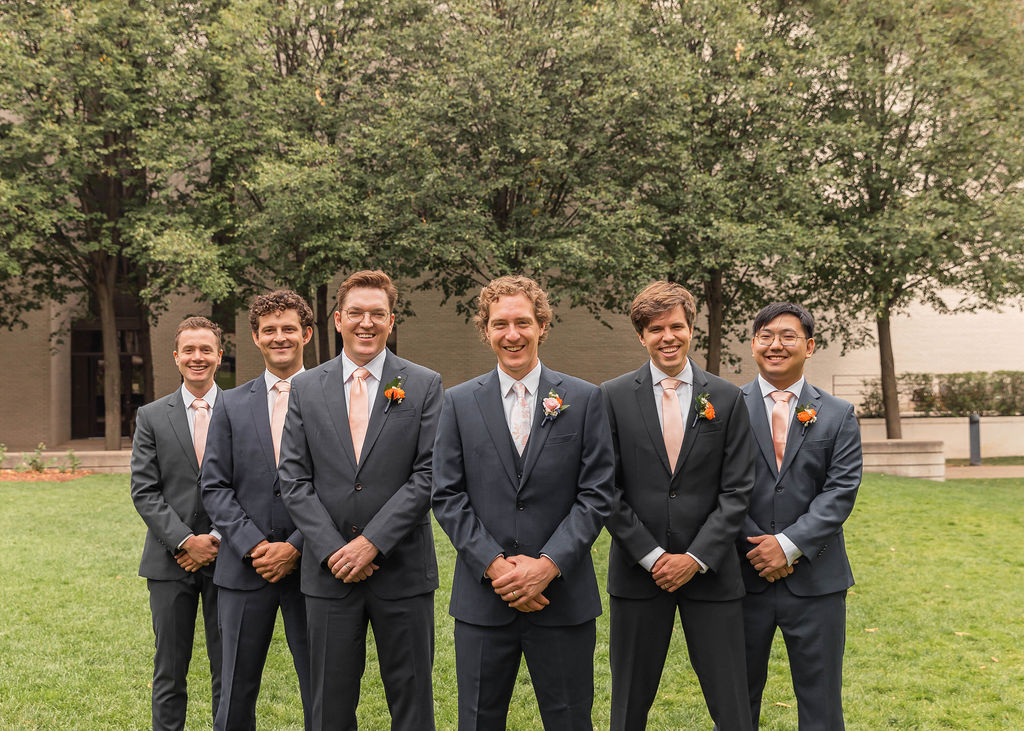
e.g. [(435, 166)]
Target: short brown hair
[(197, 323), (371, 279), (509, 286), (658, 298), (278, 301)]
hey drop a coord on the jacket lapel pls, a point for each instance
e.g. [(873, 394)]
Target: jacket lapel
[(179, 425), (488, 400), (538, 433), (797, 430), (391, 370), (332, 382), (759, 423), (261, 420), (692, 425), (644, 391)]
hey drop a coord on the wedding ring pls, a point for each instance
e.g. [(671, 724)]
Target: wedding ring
[(515, 594)]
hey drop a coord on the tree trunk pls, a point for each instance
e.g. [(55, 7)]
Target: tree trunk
[(146, 346), (107, 279), (309, 353), (890, 397), (715, 302), (323, 325)]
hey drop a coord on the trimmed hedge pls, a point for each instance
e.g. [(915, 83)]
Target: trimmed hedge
[(998, 393)]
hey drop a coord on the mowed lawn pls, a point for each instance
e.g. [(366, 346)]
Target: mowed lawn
[(935, 624)]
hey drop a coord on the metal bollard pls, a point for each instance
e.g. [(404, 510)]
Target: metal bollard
[(975, 429)]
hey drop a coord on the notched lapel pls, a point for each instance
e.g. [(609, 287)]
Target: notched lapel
[(179, 425), (333, 385), (759, 424), (261, 421), (539, 434), (488, 400), (644, 391), (690, 434), (798, 431), (378, 417)]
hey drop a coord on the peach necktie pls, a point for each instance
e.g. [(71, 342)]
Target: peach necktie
[(780, 424), (358, 409), (277, 417), (200, 428), (672, 420)]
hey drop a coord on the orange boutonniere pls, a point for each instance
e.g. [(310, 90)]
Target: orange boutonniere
[(553, 406), (394, 392), (806, 415), (704, 408)]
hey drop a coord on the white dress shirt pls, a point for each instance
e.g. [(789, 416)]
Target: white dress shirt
[(791, 550), (271, 380), (684, 395), (376, 369)]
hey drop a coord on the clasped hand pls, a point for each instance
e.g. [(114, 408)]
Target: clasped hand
[(768, 558), (274, 561), (521, 580), (354, 561), (197, 551), (673, 570)]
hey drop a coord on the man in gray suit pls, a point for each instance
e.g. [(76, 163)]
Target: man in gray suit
[(795, 568), (683, 478), (522, 485), (256, 568), (167, 451), (355, 476)]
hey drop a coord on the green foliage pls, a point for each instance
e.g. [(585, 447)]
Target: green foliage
[(3, 453), (1000, 393), (34, 461), (73, 462)]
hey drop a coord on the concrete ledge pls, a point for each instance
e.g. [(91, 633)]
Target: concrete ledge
[(94, 461), (906, 458)]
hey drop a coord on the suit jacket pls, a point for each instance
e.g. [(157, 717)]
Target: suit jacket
[(165, 485), (554, 506), (698, 507), (241, 491), (386, 497), (811, 496)]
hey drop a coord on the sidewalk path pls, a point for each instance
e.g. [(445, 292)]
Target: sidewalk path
[(985, 472)]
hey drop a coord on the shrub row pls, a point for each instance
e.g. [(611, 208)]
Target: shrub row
[(999, 393)]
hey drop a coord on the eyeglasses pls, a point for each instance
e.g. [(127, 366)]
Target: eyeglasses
[(377, 317), (787, 339)]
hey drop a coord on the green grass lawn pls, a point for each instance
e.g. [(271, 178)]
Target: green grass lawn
[(934, 639)]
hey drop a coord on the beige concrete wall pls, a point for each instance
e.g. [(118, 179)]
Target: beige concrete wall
[(25, 363), (1001, 436)]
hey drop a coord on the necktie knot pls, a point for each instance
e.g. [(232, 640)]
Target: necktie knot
[(670, 384), (360, 373), (519, 388), (781, 396), (200, 404), (283, 386)]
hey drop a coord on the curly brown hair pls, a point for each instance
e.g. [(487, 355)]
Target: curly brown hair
[(278, 301), (509, 286), (658, 298), (197, 323), (371, 279)]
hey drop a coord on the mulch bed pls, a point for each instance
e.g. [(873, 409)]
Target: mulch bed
[(50, 474)]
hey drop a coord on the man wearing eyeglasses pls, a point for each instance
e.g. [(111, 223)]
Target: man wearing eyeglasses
[(795, 569), (355, 475)]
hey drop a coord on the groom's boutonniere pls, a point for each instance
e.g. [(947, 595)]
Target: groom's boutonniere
[(394, 392), (553, 406), (806, 416), (702, 405)]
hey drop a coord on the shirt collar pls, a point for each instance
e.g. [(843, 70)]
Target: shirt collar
[(271, 380), (531, 380), (767, 388), (375, 366), (209, 397), (685, 375)]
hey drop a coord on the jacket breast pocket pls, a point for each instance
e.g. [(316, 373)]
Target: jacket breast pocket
[(561, 438)]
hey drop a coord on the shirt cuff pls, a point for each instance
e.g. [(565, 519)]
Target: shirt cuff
[(703, 566), (215, 533), (648, 561), (789, 548), (553, 563), (178, 547)]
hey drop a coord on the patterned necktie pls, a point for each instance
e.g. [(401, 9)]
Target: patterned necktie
[(520, 418), (672, 420), (277, 417), (200, 428), (358, 409), (780, 424)]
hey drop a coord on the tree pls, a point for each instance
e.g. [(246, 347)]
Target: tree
[(925, 184), (77, 89)]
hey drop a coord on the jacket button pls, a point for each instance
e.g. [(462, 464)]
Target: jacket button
[(515, 544), (277, 493), (359, 486), (520, 506), (355, 529), (773, 525), (778, 488), (672, 494)]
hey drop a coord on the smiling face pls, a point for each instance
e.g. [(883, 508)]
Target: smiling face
[(782, 366), (363, 339), (197, 357), (514, 334), (667, 339), (280, 338)]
